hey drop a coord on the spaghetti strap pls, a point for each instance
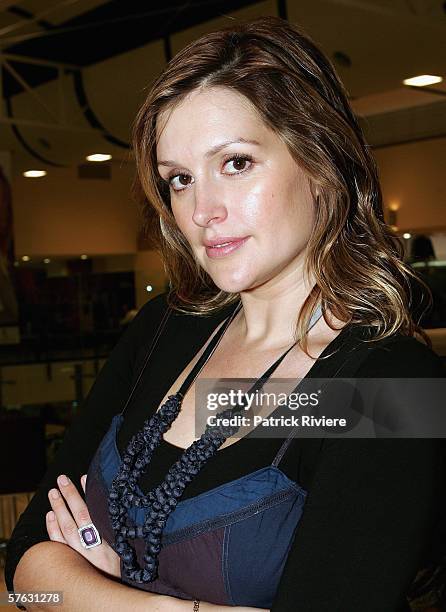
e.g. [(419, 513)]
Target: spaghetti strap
[(207, 353), (261, 381), (285, 445), (282, 450), (214, 343), (148, 355), (161, 326)]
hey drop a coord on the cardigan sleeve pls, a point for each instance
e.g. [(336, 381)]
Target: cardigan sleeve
[(105, 399), (372, 512)]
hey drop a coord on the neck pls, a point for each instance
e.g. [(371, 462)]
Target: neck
[(268, 317)]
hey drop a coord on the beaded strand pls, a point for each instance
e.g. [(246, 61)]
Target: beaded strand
[(162, 500)]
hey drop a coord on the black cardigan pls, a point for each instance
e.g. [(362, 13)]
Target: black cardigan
[(373, 507)]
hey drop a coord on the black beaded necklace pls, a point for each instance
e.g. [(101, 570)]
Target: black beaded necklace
[(161, 501)]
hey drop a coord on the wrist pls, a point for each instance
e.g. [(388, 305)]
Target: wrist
[(167, 603)]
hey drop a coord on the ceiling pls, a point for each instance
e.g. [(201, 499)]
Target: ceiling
[(75, 71)]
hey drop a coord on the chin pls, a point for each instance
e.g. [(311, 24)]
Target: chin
[(235, 283)]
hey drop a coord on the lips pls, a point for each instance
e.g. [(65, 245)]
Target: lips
[(223, 240), (220, 247)]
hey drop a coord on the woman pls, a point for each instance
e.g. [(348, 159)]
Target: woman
[(246, 140)]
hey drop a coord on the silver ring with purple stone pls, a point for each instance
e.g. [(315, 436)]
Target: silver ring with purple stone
[(89, 536)]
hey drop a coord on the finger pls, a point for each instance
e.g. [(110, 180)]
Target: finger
[(52, 526), (74, 500), (65, 519), (84, 481)]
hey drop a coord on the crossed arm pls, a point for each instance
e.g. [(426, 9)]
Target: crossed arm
[(88, 582), (89, 578)]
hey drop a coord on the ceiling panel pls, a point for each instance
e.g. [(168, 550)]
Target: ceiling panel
[(396, 99), (406, 125), (386, 41), (61, 10), (383, 49), (184, 36)]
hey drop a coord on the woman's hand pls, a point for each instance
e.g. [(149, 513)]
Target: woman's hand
[(62, 524)]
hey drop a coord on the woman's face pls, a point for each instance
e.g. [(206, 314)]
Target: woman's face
[(233, 180)]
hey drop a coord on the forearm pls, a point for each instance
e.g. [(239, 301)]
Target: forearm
[(51, 566)]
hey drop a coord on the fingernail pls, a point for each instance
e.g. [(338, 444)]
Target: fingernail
[(54, 493), (51, 516), (63, 480)]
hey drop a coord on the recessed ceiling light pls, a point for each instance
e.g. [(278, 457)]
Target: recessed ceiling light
[(84, 256), (98, 157), (149, 288), (422, 80), (26, 258), (34, 173), (46, 260), (406, 235)]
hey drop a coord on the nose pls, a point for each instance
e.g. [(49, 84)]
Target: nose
[(209, 206)]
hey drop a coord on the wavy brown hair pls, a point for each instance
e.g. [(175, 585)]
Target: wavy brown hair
[(353, 255)]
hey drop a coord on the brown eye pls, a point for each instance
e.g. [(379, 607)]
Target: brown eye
[(238, 164), (182, 181)]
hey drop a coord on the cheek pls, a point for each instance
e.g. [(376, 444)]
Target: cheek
[(290, 211), (285, 205), (299, 202), (256, 207)]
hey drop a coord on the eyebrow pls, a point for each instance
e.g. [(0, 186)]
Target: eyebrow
[(214, 150)]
